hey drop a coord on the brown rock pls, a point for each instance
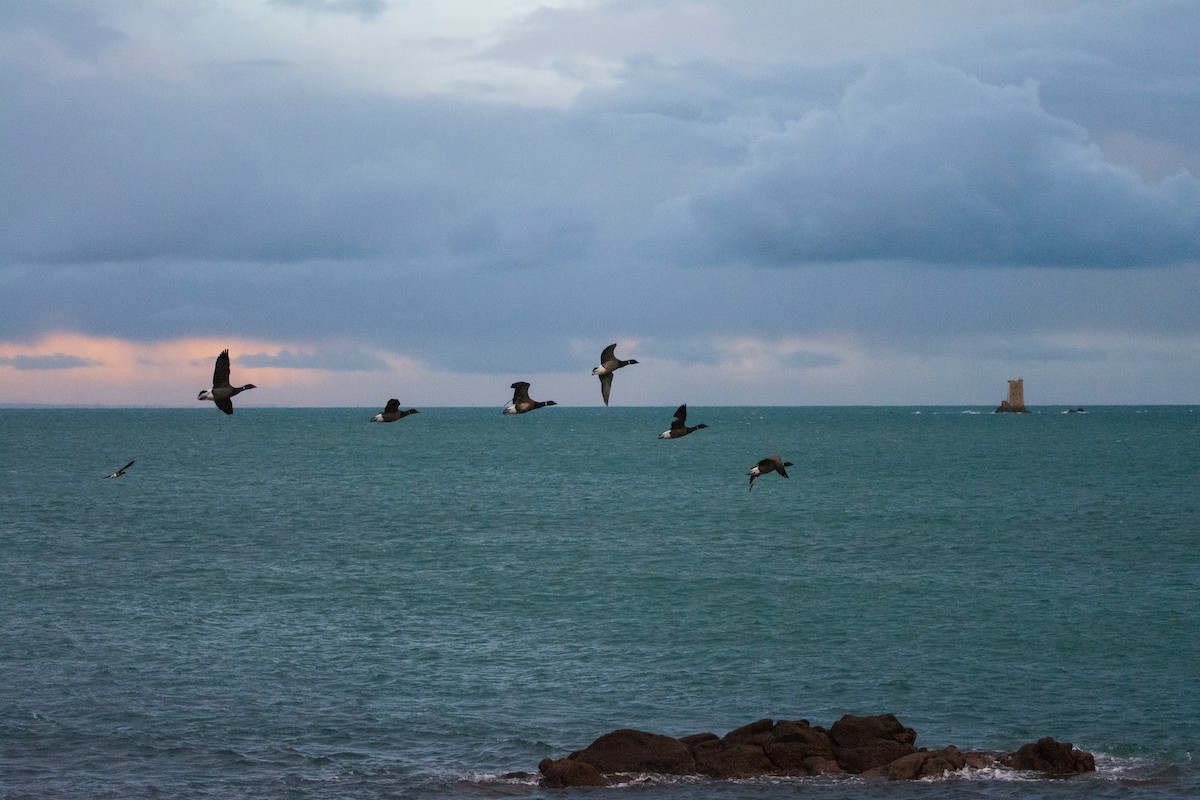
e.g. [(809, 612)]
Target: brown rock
[(630, 750), (800, 732), (1052, 757), (725, 759), (978, 760), (874, 746), (863, 743), (567, 772), (697, 738), (922, 764), (796, 758), (825, 766), (760, 733)]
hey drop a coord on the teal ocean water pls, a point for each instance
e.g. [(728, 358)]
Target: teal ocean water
[(299, 604)]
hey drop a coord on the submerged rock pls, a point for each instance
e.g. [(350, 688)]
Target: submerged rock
[(872, 746)]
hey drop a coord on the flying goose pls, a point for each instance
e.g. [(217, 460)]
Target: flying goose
[(521, 401), (609, 363), (121, 471), (222, 392), (679, 426), (767, 465), (391, 412)]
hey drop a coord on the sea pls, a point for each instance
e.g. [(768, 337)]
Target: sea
[(298, 603)]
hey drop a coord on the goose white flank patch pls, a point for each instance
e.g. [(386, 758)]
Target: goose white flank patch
[(609, 363), (766, 466), (679, 426), (521, 401), (221, 392), (391, 412)]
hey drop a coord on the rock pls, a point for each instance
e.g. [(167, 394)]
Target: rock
[(567, 772), (800, 732), (875, 746), (760, 733), (801, 749), (697, 738), (630, 750), (921, 764), (1052, 757), (725, 759), (794, 758), (978, 760), (863, 743)]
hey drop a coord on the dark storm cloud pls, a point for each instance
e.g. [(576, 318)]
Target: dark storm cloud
[(917, 162), (923, 162)]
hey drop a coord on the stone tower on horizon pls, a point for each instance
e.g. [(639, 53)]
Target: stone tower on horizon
[(1015, 404)]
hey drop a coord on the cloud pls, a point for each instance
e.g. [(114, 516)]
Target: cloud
[(476, 198), (74, 30), (359, 8), (336, 360), (44, 362), (923, 162)]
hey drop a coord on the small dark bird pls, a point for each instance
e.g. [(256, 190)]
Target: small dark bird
[(679, 426), (521, 401), (391, 412), (767, 465), (609, 363), (222, 393), (121, 471)]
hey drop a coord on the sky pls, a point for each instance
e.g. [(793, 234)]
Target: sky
[(763, 202)]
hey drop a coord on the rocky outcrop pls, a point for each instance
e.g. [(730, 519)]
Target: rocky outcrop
[(873, 746), (1051, 757), (568, 772), (921, 764), (865, 743), (637, 751)]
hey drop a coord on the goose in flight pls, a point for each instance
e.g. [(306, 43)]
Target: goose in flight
[(121, 471), (609, 363), (221, 392), (521, 402), (679, 426), (768, 465), (391, 412)]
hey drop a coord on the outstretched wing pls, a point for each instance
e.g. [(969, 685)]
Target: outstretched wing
[(520, 392), (605, 386), (225, 404), (221, 373), (609, 354), (681, 414)]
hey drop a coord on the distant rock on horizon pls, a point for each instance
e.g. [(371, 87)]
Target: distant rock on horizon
[(870, 746)]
